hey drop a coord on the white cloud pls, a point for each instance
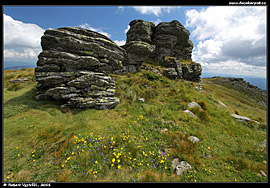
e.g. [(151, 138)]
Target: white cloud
[(120, 9), (156, 10), (99, 30), (21, 40), (126, 30), (120, 42), (157, 21), (230, 38), (234, 68)]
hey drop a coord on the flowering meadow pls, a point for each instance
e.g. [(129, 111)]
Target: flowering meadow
[(128, 154), (136, 141)]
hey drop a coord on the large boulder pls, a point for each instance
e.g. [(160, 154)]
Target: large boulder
[(138, 45), (73, 48), (192, 71), (140, 30), (137, 53), (74, 65), (172, 39)]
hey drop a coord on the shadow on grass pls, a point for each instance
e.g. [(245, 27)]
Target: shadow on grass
[(27, 101)]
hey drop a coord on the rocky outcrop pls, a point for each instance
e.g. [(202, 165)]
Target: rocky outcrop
[(239, 84), (70, 49), (167, 44), (75, 62), (172, 39), (73, 68), (138, 45)]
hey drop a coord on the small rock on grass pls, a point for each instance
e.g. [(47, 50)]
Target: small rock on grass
[(193, 139), (180, 167), (142, 100), (190, 113)]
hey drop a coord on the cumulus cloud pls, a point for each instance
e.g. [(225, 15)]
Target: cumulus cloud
[(99, 30), (21, 40), (229, 38), (156, 10), (120, 42)]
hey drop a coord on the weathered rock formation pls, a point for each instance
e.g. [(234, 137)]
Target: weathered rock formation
[(75, 62), (73, 68), (138, 45), (167, 43), (172, 39)]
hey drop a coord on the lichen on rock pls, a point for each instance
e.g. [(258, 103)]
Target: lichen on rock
[(73, 68)]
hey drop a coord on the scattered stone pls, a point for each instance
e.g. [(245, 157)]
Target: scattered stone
[(222, 104), (175, 162), (194, 104), (244, 119), (141, 100), (262, 173), (193, 139), (181, 168), (190, 113), (262, 144), (240, 118), (199, 87)]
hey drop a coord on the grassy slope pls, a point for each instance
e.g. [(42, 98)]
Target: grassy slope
[(44, 143)]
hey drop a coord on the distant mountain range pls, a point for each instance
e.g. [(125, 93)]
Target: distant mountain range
[(256, 81), (15, 65)]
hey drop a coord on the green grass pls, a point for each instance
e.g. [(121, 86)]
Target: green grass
[(42, 143)]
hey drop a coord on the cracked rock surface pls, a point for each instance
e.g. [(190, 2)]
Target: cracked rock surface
[(73, 68)]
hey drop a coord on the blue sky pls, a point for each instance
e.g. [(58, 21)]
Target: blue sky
[(226, 39)]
